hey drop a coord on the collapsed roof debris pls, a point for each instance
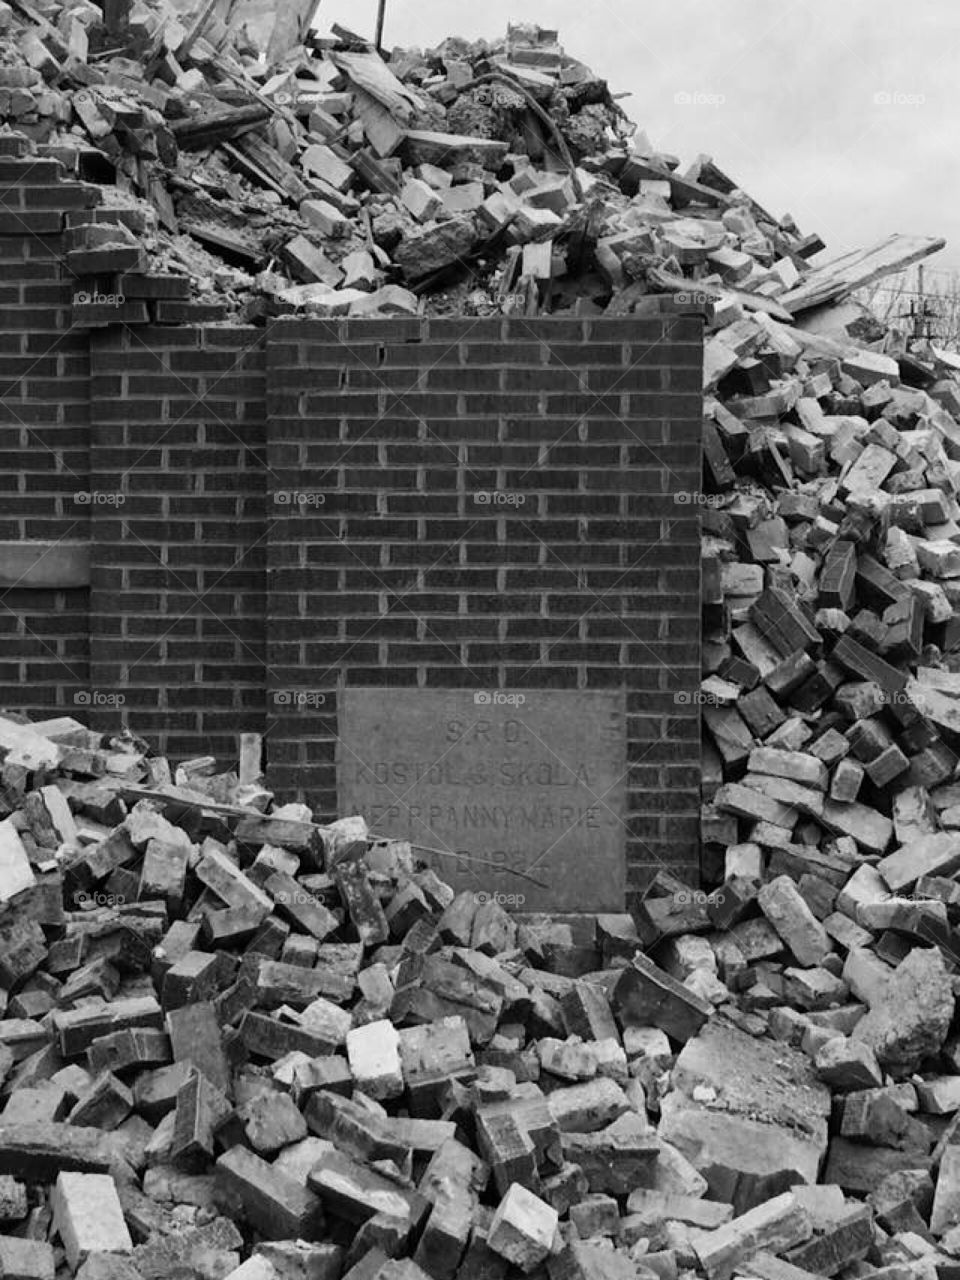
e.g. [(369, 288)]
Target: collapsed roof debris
[(283, 173)]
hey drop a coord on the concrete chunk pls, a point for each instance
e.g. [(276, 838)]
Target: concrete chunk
[(646, 995), (88, 1216), (523, 1228), (16, 874), (776, 1225), (374, 1055), (910, 1019)]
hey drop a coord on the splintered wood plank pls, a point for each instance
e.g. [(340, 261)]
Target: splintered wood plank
[(839, 277)]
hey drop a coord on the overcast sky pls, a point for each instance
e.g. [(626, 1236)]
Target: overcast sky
[(844, 113)]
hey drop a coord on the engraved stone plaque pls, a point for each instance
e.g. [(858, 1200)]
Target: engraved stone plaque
[(517, 797)]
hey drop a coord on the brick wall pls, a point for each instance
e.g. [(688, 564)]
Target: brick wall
[(44, 413), (272, 515), (489, 504), (177, 610)]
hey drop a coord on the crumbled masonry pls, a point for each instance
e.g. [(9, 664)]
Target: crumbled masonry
[(236, 173), (239, 1045)]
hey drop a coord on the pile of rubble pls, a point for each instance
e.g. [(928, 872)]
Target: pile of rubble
[(243, 160), (277, 170), (239, 1045), (831, 691)]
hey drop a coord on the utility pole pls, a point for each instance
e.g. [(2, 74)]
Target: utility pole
[(381, 14)]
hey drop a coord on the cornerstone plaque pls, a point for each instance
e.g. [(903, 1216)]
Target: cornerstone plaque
[(518, 797)]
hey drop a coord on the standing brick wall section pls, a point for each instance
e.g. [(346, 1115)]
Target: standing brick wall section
[(178, 587), (490, 504), (44, 443), (275, 514)]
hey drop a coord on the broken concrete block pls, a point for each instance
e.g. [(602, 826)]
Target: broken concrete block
[(583, 1108), (16, 873), (420, 199), (939, 1096), (24, 1259), (776, 1225), (523, 1228), (271, 1122), (910, 1018), (946, 1199), (437, 245), (766, 1122), (88, 1216), (848, 1064), (374, 1055), (646, 995), (928, 855)]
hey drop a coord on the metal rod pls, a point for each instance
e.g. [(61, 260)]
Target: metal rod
[(467, 857)]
